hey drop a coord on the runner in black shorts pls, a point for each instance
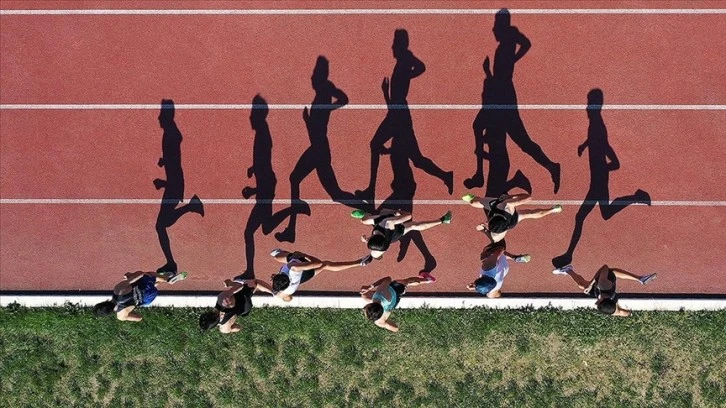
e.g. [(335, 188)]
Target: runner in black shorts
[(602, 286), (138, 289), (502, 214), (300, 268), (234, 302), (383, 296), (389, 226)]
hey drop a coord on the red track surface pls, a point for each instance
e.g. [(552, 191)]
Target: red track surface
[(634, 59)]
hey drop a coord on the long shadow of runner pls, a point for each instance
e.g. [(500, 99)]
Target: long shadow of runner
[(497, 156), (501, 101), (317, 157), (261, 214), (404, 190), (173, 185), (599, 151), (398, 122)]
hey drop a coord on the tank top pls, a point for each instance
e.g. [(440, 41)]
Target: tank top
[(242, 305), (388, 305)]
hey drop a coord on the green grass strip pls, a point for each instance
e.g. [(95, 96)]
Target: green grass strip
[(333, 358)]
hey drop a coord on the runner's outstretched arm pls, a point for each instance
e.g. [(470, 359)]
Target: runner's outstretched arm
[(524, 46), (417, 66)]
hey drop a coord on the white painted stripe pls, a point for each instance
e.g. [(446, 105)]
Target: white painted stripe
[(246, 106), (294, 12), (320, 201), (409, 302)]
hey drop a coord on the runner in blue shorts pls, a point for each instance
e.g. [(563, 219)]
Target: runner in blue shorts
[(138, 289), (494, 268)]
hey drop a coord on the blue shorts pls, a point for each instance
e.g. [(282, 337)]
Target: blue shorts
[(147, 285)]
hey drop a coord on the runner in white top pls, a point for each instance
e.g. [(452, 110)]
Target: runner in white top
[(299, 268), (494, 267)]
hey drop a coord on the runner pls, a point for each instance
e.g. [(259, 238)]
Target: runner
[(138, 289), (234, 302), (502, 214), (385, 297), (389, 226), (602, 286), (494, 267), (300, 268)]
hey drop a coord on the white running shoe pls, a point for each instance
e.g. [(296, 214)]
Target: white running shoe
[(563, 270), (276, 252)]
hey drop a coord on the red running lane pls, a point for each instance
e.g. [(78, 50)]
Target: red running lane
[(642, 59)]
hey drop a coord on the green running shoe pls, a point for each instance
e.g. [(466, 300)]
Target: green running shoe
[(178, 277), (446, 219), (358, 214)]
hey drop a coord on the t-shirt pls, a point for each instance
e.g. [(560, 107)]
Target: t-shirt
[(295, 277), (499, 272)]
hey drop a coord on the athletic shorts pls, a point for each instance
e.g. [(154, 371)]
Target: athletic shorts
[(595, 291), (400, 289), (147, 284), (398, 232), (307, 275)]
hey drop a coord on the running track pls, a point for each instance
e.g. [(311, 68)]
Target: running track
[(665, 70)]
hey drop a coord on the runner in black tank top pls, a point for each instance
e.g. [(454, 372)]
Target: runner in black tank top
[(234, 302), (502, 213), (389, 226), (241, 307), (603, 286)]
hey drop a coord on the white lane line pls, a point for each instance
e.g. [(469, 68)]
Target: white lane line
[(245, 106), (234, 201), (295, 12), (355, 302)]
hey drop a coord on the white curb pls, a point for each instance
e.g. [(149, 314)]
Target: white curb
[(412, 302)]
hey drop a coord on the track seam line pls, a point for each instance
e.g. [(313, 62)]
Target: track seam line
[(370, 11), (244, 106)]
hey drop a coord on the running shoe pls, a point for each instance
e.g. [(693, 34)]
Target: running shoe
[(358, 214), (177, 277), (563, 270), (276, 252), (648, 278), (468, 198), (446, 219), (556, 208), (523, 258), (427, 276)]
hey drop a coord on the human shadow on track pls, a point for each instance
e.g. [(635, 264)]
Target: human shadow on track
[(173, 186), (317, 157), (261, 215), (398, 122), (489, 130), (402, 195), (599, 151), (500, 111)]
